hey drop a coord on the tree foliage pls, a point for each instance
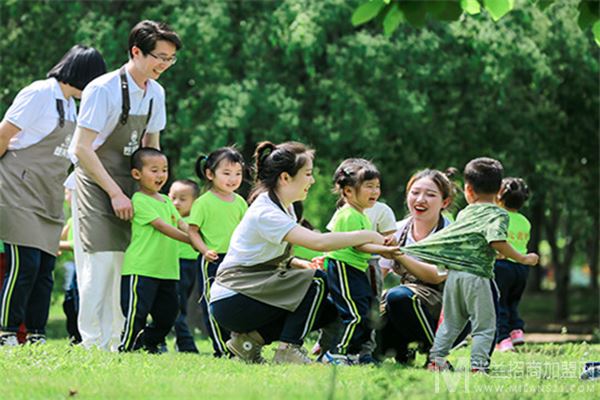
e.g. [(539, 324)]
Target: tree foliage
[(391, 13)]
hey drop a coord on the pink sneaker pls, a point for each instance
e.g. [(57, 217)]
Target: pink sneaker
[(505, 345), (517, 337)]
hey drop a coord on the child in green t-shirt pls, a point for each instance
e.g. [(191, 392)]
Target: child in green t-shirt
[(151, 263), (214, 217), (467, 249), (357, 182), (510, 275), (183, 192)]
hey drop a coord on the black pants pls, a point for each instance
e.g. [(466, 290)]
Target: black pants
[(140, 296), (511, 279), (353, 297), (71, 309), (188, 270), (408, 321), (27, 289), (240, 313), (218, 334)]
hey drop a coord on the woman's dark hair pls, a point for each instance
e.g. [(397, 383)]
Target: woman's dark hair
[(212, 161), (271, 160), (514, 193), (352, 173), (78, 67), (146, 33), (441, 179)]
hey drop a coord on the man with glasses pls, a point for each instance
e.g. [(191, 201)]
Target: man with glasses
[(120, 111)]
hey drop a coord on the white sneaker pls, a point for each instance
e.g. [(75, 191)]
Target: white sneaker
[(8, 339)]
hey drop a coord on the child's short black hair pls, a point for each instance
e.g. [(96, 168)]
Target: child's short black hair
[(514, 193), (193, 185), (484, 174), (146, 33), (78, 67), (138, 156)]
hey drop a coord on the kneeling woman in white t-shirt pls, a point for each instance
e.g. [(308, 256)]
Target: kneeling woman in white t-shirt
[(262, 293)]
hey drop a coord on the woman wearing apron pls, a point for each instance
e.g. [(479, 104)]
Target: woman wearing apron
[(34, 137), (412, 309), (261, 292), (119, 110)]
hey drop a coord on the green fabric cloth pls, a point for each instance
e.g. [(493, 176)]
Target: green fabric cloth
[(151, 253), (186, 251), (305, 254), (217, 219), (348, 219), (519, 230), (1, 247), (464, 245)]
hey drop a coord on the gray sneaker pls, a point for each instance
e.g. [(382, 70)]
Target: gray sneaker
[(247, 347), (291, 354), (8, 339)]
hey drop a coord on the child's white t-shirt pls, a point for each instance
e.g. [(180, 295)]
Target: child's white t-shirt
[(257, 239)]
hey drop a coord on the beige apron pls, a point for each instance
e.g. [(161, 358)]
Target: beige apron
[(272, 282), (100, 228), (31, 189)]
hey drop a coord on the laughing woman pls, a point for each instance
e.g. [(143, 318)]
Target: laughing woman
[(413, 308), (262, 293), (34, 137)]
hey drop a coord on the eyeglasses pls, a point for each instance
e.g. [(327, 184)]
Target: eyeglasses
[(166, 60)]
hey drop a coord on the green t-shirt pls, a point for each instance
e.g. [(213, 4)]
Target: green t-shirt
[(465, 244), (348, 219), (1, 247), (150, 252), (519, 230), (217, 219), (186, 251)]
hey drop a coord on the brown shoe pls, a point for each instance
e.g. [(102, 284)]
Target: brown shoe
[(247, 347)]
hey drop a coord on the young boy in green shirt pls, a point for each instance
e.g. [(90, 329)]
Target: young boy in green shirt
[(151, 264), (183, 193), (467, 248)]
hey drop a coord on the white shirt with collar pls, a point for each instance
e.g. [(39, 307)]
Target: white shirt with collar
[(101, 104), (34, 112)]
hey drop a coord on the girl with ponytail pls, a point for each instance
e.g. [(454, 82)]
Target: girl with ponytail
[(214, 216)]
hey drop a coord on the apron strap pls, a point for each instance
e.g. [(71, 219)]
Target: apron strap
[(124, 96), (147, 120), (61, 112)]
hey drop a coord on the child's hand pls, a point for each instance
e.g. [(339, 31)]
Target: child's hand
[(390, 240), (392, 253), (531, 259), (211, 255), (319, 262)]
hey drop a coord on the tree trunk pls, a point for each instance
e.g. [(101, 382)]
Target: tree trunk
[(592, 258), (562, 265), (536, 275)]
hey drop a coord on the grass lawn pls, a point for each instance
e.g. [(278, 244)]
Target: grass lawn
[(58, 371)]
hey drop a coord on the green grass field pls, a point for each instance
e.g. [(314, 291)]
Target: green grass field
[(59, 371)]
